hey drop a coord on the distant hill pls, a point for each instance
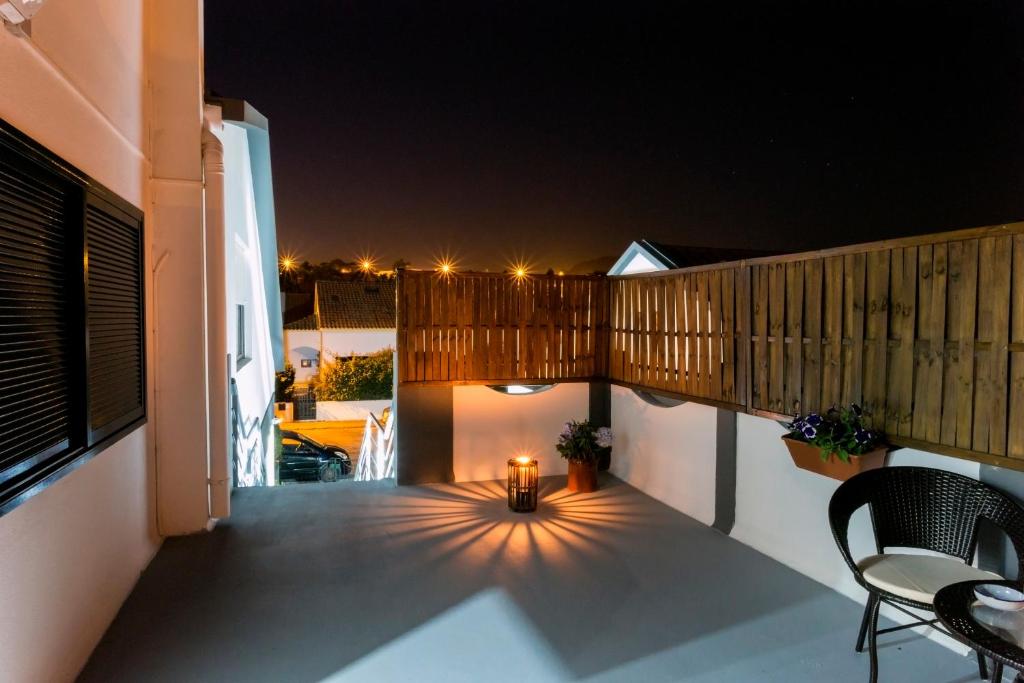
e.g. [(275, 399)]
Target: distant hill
[(598, 265)]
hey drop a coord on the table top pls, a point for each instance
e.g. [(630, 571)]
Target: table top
[(997, 634)]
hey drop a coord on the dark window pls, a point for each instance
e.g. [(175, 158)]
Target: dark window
[(306, 362), (72, 357)]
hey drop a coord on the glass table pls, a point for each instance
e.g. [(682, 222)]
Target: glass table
[(994, 633)]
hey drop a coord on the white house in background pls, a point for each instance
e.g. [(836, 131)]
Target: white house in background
[(255, 345), (646, 256), (353, 318)]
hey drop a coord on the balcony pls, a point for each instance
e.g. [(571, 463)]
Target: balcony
[(443, 583)]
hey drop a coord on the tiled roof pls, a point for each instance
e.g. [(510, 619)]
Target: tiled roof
[(306, 323), (356, 305)]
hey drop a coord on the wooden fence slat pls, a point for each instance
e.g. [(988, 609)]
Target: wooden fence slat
[(983, 353), (876, 336), (811, 389), (679, 283), (729, 335), (692, 341), (715, 334), (671, 358), (1002, 259), (776, 337), (922, 351), (793, 341), (703, 339), (759, 297), (1015, 436), (744, 359), (902, 319), (832, 362), (958, 363), (853, 328)]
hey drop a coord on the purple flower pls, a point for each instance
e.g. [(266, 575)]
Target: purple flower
[(813, 420), (862, 436), (604, 437), (566, 431), (810, 432)]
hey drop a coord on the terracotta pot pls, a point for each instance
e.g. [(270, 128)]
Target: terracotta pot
[(583, 476), (808, 457)]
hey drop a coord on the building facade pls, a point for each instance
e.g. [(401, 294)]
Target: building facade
[(355, 318), (109, 160)]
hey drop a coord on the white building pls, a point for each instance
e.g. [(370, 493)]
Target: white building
[(354, 318), (254, 331), (103, 107)]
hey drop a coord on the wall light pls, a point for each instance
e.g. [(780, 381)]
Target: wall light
[(522, 484)]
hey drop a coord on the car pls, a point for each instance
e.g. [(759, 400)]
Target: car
[(306, 459)]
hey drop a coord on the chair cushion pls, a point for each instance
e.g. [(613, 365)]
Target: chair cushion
[(918, 577)]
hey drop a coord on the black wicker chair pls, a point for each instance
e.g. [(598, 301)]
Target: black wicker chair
[(918, 507)]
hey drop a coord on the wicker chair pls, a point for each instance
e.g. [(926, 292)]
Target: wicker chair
[(918, 507)]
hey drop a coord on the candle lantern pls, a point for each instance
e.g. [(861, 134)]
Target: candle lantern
[(522, 484)]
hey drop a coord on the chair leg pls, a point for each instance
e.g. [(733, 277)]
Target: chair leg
[(872, 598), (872, 636), (983, 667), (997, 672)]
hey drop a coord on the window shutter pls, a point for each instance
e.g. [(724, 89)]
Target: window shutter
[(38, 335), (114, 316)]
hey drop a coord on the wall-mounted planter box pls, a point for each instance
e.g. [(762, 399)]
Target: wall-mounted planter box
[(808, 457)]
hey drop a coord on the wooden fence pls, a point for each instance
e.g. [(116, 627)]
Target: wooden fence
[(678, 332), (490, 327), (927, 333)]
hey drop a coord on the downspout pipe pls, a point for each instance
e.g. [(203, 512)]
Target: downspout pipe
[(219, 466)]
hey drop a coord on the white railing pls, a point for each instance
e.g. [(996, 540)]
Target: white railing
[(377, 452), (249, 449)]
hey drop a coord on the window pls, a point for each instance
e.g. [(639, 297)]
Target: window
[(306, 362), (242, 343), (72, 356)]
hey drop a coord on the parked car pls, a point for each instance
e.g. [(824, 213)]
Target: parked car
[(306, 459)]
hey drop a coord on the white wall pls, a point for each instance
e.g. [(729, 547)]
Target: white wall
[(71, 554), (350, 410), (490, 427), (302, 345), (668, 453), (355, 342), (254, 376), (782, 511)]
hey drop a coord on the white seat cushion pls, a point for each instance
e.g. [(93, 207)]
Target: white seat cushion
[(918, 577)]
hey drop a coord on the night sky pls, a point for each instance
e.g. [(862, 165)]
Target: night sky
[(559, 132)]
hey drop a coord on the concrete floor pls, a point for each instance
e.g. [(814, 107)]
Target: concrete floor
[(367, 582)]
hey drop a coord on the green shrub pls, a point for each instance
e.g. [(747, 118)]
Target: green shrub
[(283, 385), (360, 378)]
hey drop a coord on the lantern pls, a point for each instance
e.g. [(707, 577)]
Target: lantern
[(522, 484)]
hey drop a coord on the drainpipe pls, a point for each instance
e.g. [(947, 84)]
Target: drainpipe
[(219, 466)]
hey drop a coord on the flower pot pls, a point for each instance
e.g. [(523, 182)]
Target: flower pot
[(808, 457), (583, 476)]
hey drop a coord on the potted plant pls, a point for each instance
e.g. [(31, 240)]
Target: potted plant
[(582, 445), (838, 444)]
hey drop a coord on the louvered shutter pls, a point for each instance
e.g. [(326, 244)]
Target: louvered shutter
[(114, 310), (39, 339)]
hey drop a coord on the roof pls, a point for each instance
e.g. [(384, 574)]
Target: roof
[(661, 256), (306, 323), (356, 305), (675, 256)]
